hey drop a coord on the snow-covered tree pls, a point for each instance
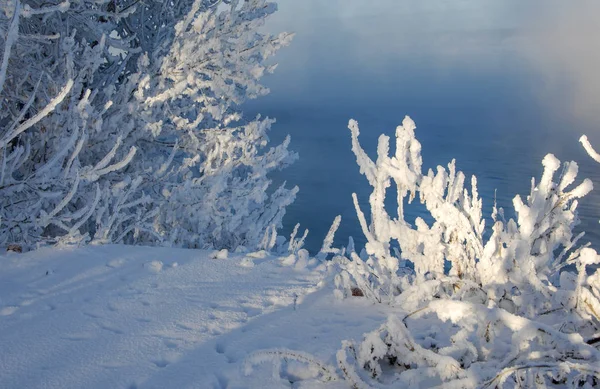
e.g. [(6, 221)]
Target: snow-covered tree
[(50, 180), (121, 123), (213, 188)]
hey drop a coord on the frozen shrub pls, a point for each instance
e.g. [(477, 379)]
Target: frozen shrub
[(518, 266), (506, 315)]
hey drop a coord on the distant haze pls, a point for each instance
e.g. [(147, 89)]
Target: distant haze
[(564, 44), (558, 40), (494, 84)]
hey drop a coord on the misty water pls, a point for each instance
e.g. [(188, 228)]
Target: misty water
[(484, 82)]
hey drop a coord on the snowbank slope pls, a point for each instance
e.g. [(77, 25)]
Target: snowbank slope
[(138, 317)]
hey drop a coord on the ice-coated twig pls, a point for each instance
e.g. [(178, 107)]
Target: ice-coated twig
[(589, 148)]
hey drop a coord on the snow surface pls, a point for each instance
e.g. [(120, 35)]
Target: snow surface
[(138, 317)]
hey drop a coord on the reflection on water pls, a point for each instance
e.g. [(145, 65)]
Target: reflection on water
[(463, 70)]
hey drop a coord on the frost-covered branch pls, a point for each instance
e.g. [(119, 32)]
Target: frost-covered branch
[(11, 37), (589, 148), (327, 248)]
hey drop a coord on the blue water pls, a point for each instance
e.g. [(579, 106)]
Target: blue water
[(462, 70)]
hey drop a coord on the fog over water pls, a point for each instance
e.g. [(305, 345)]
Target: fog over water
[(496, 85)]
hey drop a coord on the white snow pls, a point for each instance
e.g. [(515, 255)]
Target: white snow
[(138, 317), (154, 266), (220, 254)]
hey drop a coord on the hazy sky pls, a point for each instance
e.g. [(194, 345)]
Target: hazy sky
[(563, 43), (556, 41)]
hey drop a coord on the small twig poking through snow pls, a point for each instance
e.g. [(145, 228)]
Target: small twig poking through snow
[(327, 248), (296, 244), (593, 341), (557, 368), (14, 248)]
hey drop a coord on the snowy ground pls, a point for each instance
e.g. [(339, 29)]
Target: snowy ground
[(135, 317)]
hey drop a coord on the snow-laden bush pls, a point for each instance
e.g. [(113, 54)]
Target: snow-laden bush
[(457, 344), (510, 286), (506, 314), (120, 123), (518, 266)]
